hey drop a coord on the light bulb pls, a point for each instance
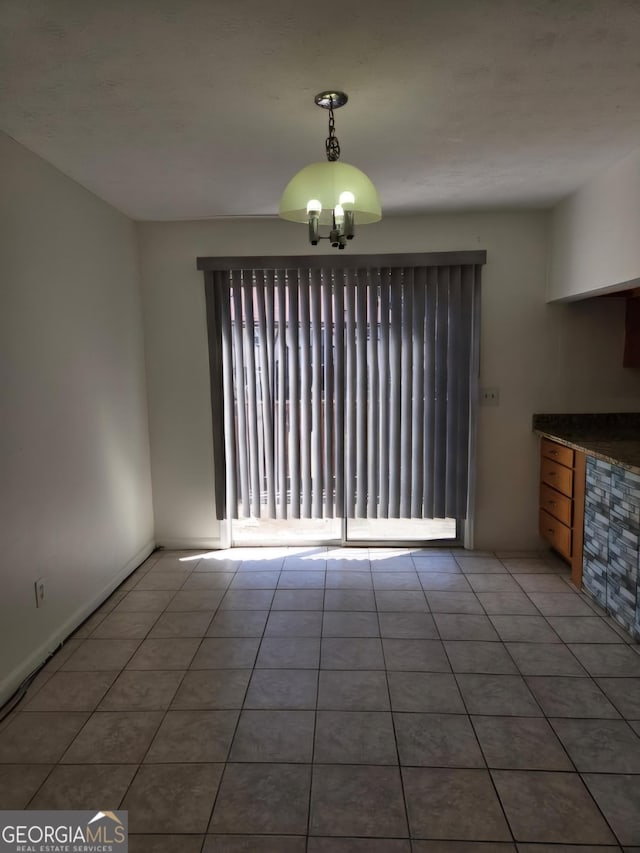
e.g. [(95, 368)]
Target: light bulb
[(347, 197), (314, 207), (338, 213)]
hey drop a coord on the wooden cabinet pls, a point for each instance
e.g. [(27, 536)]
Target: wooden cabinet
[(561, 513)]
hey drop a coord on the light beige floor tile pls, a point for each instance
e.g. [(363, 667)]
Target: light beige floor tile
[(114, 737), (72, 691), (145, 600), (172, 798), (75, 786), (96, 655), (181, 624), (165, 653), (144, 690), (125, 626), (19, 782), (213, 689), (39, 737), (186, 736)]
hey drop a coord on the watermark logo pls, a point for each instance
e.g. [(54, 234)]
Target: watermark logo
[(64, 832)]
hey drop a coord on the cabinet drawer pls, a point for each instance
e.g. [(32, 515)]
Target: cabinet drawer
[(557, 452), (556, 504), (557, 534), (557, 475)]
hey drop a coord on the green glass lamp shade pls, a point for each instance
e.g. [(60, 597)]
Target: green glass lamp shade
[(330, 183)]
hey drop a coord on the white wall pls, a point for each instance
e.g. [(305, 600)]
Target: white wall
[(541, 357), (75, 490), (595, 244)]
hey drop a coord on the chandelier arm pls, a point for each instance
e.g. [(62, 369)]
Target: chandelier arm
[(338, 234)]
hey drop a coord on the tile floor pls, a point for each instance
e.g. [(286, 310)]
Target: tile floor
[(361, 701)]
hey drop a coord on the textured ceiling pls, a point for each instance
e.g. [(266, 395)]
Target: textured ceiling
[(198, 108)]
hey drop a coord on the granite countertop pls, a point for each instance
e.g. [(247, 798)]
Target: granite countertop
[(612, 437)]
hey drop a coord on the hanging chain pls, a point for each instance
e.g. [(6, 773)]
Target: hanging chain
[(332, 146)]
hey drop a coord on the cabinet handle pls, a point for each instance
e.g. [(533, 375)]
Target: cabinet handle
[(552, 503), (553, 473), (551, 530), (554, 452)]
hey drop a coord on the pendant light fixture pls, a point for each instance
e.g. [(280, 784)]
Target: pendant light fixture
[(331, 196)]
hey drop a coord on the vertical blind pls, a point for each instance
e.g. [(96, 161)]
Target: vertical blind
[(343, 391)]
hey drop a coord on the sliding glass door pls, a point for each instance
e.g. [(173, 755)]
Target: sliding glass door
[(344, 399), (341, 531)]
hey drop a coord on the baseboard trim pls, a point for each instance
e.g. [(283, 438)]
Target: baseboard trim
[(10, 683), (191, 544)]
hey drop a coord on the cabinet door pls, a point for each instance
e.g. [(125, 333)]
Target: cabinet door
[(624, 540), (596, 529)]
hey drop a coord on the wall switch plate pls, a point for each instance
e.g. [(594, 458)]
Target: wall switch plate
[(489, 397), (40, 592)]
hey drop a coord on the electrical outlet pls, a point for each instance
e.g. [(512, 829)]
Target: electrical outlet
[(489, 397), (40, 592)]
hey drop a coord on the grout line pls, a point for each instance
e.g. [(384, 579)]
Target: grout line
[(235, 730), (315, 719), (42, 784), (395, 734)]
